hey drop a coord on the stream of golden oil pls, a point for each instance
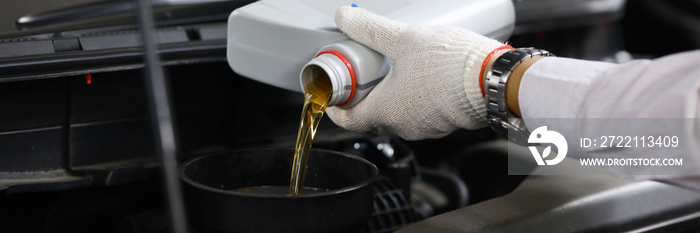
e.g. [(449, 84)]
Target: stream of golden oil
[(317, 96)]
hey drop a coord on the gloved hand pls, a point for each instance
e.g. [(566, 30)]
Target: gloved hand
[(433, 85)]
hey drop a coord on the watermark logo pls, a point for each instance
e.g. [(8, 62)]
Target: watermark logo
[(542, 135)]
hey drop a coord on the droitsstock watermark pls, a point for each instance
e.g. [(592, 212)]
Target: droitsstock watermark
[(599, 146)]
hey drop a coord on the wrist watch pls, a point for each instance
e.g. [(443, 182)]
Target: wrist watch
[(500, 118)]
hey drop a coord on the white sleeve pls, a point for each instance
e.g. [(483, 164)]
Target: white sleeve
[(668, 87)]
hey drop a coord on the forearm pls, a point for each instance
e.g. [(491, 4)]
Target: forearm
[(577, 88), (560, 88), (571, 88)]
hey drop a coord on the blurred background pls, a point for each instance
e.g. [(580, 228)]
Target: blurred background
[(77, 152)]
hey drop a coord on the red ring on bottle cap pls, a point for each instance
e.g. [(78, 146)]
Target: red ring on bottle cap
[(349, 66)]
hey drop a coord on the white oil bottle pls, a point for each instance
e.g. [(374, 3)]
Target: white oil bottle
[(286, 43)]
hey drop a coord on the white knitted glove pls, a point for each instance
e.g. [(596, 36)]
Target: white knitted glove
[(433, 86)]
